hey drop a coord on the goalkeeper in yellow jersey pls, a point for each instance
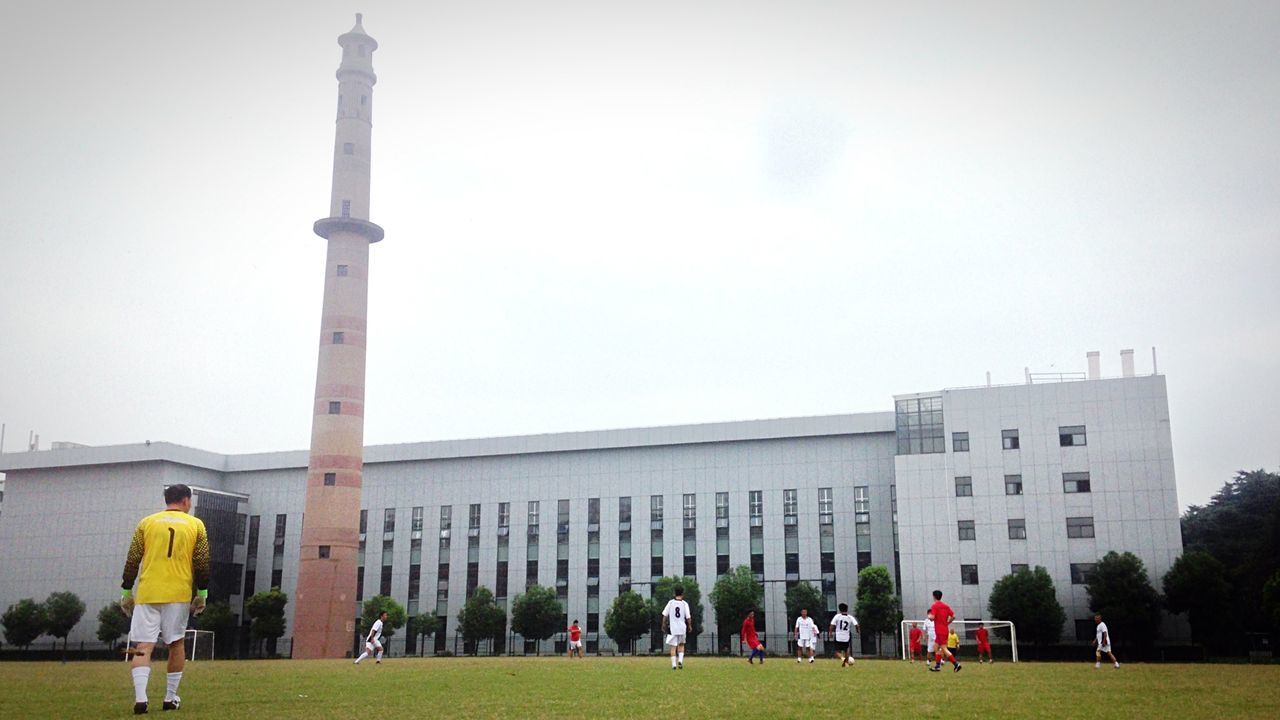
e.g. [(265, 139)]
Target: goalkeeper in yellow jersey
[(169, 558)]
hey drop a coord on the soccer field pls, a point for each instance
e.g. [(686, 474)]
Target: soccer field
[(646, 688)]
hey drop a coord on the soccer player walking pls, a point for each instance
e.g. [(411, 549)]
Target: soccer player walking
[(843, 625), (984, 643), (373, 640), (806, 633), (677, 622), (168, 556), (1102, 643), (575, 640), (942, 617), (751, 639)]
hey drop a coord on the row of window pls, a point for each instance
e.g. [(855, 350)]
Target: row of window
[(1068, 436), (1077, 527), (1081, 573), (1072, 482)]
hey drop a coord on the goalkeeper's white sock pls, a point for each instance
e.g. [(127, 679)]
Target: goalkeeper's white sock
[(680, 658), (171, 685), (673, 661), (363, 655), (140, 677)]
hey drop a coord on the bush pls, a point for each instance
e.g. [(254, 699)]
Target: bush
[(23, 622)]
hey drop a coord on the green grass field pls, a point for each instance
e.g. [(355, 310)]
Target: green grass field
[(646, 687)]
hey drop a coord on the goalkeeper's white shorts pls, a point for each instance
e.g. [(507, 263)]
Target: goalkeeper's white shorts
[(168, 621), (374, 644)]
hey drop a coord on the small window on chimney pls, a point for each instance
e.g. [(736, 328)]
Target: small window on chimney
[(324, 552), (342, 271), (335, 407), (331, 478), (346, 208), (348, 148), (364, 100), (339, 337)]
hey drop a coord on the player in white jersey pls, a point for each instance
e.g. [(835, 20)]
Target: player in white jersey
[(844, 625), (806, 634), (932, 634), (677, 622), (373, 641), (1102, 643)]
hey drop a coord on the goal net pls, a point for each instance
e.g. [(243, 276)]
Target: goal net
[(199, 644), (1002, 634)]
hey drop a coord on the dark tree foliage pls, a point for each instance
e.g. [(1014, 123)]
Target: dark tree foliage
[(664, 590), (267, 612), (535, 615), (374, 607), (23, 622), (879, 609), (1122, 592), (806, 596), (63, 611), (481, 618), (628, 618), (1197, 585), (735, 594), (1027, 599), (112, 624)]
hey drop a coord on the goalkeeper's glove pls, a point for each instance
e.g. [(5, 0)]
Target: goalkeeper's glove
[(197, 602), (126, 602)]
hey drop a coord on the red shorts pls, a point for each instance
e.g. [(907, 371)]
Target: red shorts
[(915, 647), (984, 647)]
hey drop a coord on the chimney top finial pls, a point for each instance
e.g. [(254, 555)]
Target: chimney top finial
[(359, 18)]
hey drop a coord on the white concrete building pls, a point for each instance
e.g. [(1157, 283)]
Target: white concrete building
[(800, 499)]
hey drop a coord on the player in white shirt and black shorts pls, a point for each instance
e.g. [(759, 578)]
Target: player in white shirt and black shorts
[(1102, 643), (373, 640), (844, 625), (806, 635), (677, 622)]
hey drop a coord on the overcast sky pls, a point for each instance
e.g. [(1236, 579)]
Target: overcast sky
[(606, 214)]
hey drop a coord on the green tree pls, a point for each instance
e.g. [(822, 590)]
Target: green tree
[(1122, 592), (421, 627), (481, 618), (266, 609), (536, 615), (1197, 585), (628, 618), (375, 606), (218, 619), (63, 611), (735, 594), (664, 590), (879, 609), (806, 596), (112, 624), (1027, 599), (1271, 601), (23, 622)]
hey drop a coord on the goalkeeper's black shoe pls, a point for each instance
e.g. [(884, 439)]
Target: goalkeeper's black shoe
[(140, 708), (173, 704)]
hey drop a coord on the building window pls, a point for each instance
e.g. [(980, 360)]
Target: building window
[(1018, 567), (1071, 436), (964, 486), (862, 504), (960, 442), (364, 521), (348, 148), (242, 524), (826, 506), (722, 508), (533, 513), (364, 99), (389, 520), (1009, 438), (335, 407), (331, 478), (593, 512), (473, 517), (967, 531), (655, 509), (346, 208), (504, 514), (1012, 484), (1079, 527), (919, 426), (415, 523), (624, 511), (1082, 573), (690, 511), (324, 552), (755, 505), (339, 337), (1017, 529), (342, 271), (968, 574), (1075, 482)]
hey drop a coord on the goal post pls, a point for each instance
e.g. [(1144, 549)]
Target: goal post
[(962, 628), (199, 644)]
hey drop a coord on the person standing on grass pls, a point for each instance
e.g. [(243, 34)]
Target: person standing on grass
[(373, 640), (806, 633), (751, 639), (931, 630), (1102, 643), (984, 643), (677, 622), (953, 642), (913, 644), (171, 549), (575, 640), (942, 617), (843, 625)]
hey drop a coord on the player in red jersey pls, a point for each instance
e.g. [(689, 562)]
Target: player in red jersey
[(913, 643), (575, 639), (942, 617), (984, 643), (751, 639)]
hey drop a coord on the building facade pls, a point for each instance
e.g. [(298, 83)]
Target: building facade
[(935, 490)]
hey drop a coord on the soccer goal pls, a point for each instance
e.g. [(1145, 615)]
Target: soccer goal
[(1004, 637), (199, 644)]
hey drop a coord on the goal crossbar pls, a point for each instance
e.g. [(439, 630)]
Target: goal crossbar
[(962, 625)]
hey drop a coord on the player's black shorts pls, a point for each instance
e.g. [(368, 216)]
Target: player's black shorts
[(842, 646)]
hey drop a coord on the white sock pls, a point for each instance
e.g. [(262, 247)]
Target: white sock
[(680, 657), (140, 677), (171, 685), (379, 657), (673, 661), (363, 655)]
